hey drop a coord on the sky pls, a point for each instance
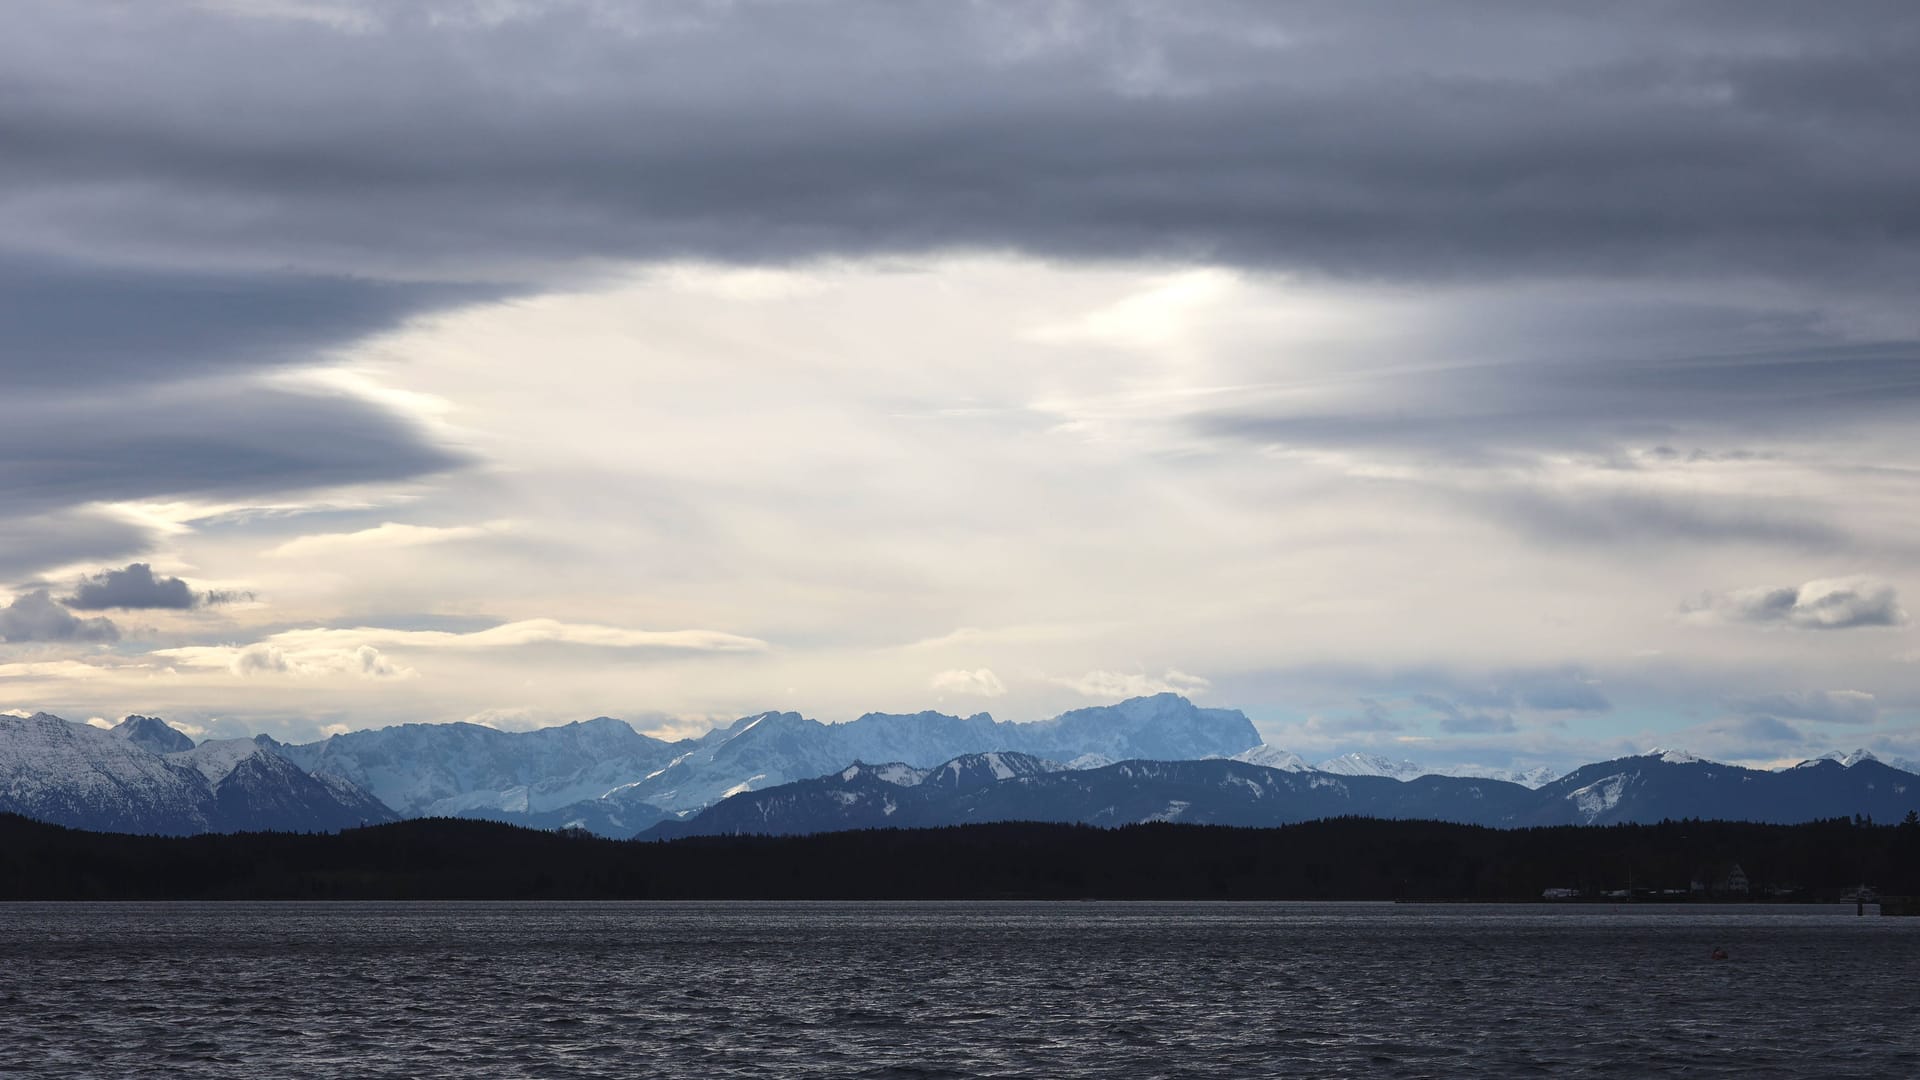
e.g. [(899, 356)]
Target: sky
[(1479, 383)]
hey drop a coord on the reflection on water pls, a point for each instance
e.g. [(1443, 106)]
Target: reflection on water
[(1042, 990)]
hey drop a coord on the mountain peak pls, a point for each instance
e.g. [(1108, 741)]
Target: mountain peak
[(1847, 759), (1272, 757), (1677, 757), (152, 734), (1364, 764)]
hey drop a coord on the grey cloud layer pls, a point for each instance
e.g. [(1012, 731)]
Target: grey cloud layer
[(205, 440), (72, 326), (453, 142), (1509, 140)]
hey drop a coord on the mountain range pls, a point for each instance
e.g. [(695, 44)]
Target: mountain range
[(1013, 787), (136, 778), (1150, 758)]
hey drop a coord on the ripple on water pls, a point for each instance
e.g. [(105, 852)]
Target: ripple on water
[(936, 990)]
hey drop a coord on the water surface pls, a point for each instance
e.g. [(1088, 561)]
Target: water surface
[(966, 989)]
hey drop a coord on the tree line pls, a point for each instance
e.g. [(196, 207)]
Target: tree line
[(1334, 859)]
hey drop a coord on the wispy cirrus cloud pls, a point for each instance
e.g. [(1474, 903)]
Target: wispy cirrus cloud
[(358, 649), (388, 534)]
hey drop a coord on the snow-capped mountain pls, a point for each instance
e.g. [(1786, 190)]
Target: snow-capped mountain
[(256, 787), (603, 775), (78, 775), (1538, 776), (152, 734), (1216, 791), (1847, 759), (1227, 792), (758, 752), (425, 770), (1158, 758), (1270, 756), (1361, 764), (1672, 784), (861, 796)]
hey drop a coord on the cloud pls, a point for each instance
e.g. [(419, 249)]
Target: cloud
[(1836, 604), (132, 383), (1825, 706), (1372, 717), (1114, 684), (218, 441), (1456, 720), (55, 669), (32, 543), (528, 632), (981, 682), (1764, 730), (1759, 739), (319, 651), (386, 535), (136, 587), (170, 324), (1553, 140), (1565, 696), (1613, 520), (33, 616), (261, 658)]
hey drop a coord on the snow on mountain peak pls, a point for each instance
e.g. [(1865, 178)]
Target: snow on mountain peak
[(152, 734), (1272, 757), (215, 758), (1849, 760), (893, 772), (1600, 796), (1676, 757), (1362, 764)]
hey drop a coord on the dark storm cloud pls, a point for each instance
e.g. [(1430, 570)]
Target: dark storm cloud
[(209, 441), (69, 326), (1553, 396), (188, 193), (33, 616), (130, 383), (1420, 140), (1604, 385), (137, 586)]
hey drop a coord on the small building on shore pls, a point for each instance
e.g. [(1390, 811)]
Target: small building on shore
[(1721, 879)]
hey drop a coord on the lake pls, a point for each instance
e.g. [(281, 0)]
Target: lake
[(961, 990)]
